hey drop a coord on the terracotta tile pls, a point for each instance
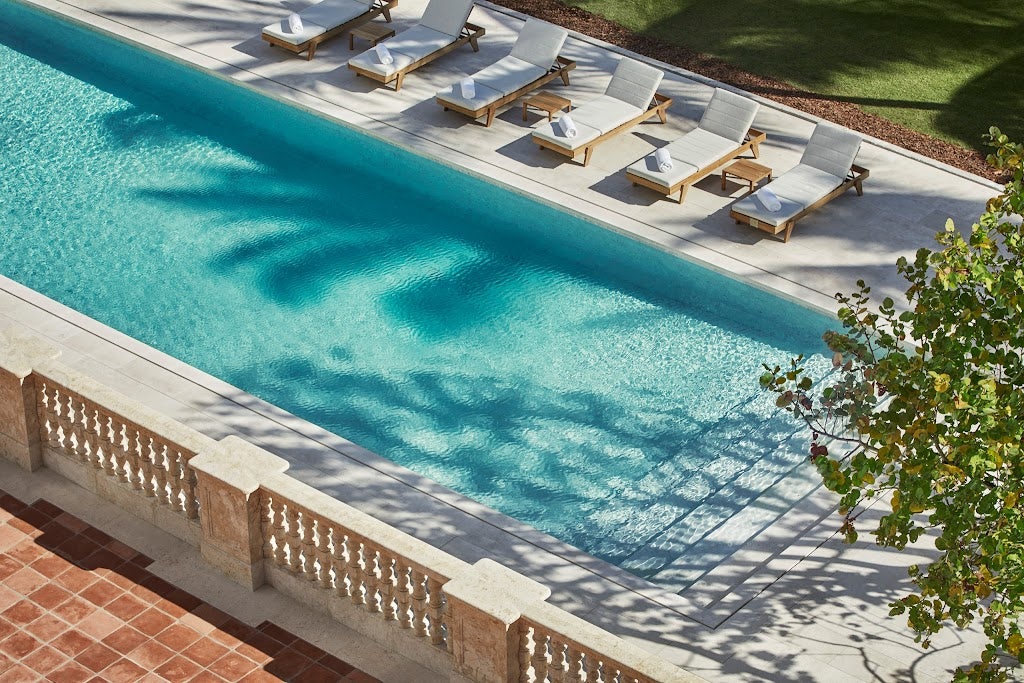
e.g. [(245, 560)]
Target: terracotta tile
[(45, 659), (256, 654), (184, 599), (50, 566), (146, 595), (27, 552), (99, 624), (233, 666), (288, 664), (72, 672), (77, 548), (150, 655), (74, 610), (22, 612), (171, 609), (205, 652), (69, 521), (233, 632), (133, 572), (49, 596), (205, 676), (97, 657), (117, 578), (75, 579), (8, 598), (99, 537), (8, 565), (72, 643), (10, 503), (6, 628), (265, 644), (308, 649), (123, 671), (125, 552), (47, 627), (125, 639), (53, 534), (19, 644), (361, 677), (47, 508), (102, 557), (161, 587), (26, 580), (34, 517), (316, 674), (177, 637), (261, 676), (178, 668), (201, 626), (336, 665), (126, 607), (211, 614), (141, 560), (278, 633), (152, 621), (19, 673), (101, 592)]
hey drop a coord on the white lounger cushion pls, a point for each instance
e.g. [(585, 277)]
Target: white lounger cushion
[(539, 43), (797, 189), (634, 83), (407, 47), (494, 82), (317, 19), (690, 153), (593, 119), (446, 16), (831, 149), (729, 115)]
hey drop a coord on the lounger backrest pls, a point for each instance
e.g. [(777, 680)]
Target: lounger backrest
[(729, 115), (831, 149), (634, 83), (539, 42), (447, 16)]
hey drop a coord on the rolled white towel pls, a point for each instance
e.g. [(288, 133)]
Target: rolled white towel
[(663, 159), (295, 23), (468, 88), (383, 54), (768, 199), (567, 126)]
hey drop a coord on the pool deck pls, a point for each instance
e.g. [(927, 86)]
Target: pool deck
[(793, 603)]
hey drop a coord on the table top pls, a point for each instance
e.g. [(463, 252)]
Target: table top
[(548, 100), (748, 169), (372, 30)]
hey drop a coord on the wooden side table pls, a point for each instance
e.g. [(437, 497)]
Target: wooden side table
[(548, 102), (371, 31), (748, 170)]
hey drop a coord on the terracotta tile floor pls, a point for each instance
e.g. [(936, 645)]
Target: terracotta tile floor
[(77, 605)]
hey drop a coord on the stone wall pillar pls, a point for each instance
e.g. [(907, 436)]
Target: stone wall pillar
[(228, 478), (485, 604), (19, 423)]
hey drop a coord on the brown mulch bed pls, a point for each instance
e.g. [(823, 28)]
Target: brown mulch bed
[(837, 111)]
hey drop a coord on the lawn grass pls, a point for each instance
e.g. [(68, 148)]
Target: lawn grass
[(948, 68)]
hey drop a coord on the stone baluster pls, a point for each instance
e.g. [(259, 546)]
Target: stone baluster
[(175, 478), (65, 418), (191, 498), (323, 553), (539, 660), (267, 526), (574, 663), (122, 449), (419, 603), (93, 433), (78, 429), (291, 537), (280, 545), (435, 611), (525, 648), (308, 547), (370, 569), (592, 668), (137, 452), (388, 579), (339, 562), (157, 449), (49, 409), (355, 572), (558, 661), (403, 595)]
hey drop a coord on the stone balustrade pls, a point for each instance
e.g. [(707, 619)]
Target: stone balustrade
[(250, 519)]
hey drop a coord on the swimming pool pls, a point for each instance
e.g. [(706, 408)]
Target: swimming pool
[(600, 390)]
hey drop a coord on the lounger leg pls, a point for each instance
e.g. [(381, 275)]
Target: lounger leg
[(398, 81), (682, 193), (387, 14), (663, 114), (755, 147), (859, 186), (565, 76), (586, 155), (473, 43), (311, 51), (789, 229), (490, 116)]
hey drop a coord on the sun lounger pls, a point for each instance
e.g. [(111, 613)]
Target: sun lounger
[(631, 97), (533, 62), (442, 29), (826, 170), (723, 134), (325, 20)]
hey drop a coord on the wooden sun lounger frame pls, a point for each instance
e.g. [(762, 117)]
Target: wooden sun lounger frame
[(855, 178), (470, 33), (560, 69), (658, 106), (752, 141), (378, 8)]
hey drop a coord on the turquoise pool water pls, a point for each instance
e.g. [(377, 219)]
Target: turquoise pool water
[(570, 377)]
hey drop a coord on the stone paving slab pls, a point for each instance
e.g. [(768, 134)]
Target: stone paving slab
[(755, 616)]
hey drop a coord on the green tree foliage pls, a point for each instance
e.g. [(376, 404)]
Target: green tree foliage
[(926, 407)]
